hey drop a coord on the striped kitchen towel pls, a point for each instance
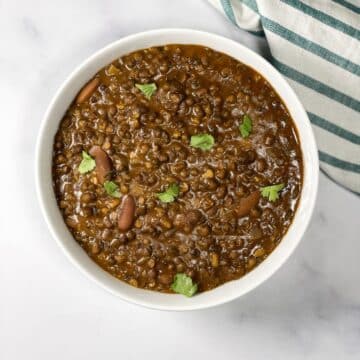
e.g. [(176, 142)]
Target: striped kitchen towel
[(315, 44)]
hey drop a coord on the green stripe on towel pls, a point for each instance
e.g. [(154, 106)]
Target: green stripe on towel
[(341, 164), (250, 4), (228, 9), (226, 5), (334, 129), (324, 18), (310, 46), (317, 85), (348, 5)]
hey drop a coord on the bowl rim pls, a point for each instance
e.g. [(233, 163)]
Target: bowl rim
[(256, 276)]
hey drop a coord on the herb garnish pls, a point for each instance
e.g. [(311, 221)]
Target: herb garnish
[(184, 285), (169, 194), (112, 189), (246, 126), (87, 163), (202, 141), (272, 191), (147, 89)]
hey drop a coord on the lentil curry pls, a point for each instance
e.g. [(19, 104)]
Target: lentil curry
[(177, 168)]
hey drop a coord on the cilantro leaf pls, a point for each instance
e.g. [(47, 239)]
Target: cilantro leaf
[(147, 89), (87, 163), (169, 194), (112, 189), (272, 192), (246, 126), (184, 285), (202, 141)]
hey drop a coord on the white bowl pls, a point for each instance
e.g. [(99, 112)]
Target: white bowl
[(77, 255)]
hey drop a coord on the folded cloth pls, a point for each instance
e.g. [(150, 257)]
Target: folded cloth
[(315, 44)]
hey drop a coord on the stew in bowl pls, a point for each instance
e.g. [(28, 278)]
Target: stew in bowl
[(185, 164)]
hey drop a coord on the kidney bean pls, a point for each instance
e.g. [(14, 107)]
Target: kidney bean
[(87, 90), (126, 213), (103, 163)]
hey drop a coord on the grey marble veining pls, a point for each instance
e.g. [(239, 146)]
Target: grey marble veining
[(310, 309)]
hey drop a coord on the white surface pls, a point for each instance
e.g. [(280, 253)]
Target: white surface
[(65, 95), (310, 309)]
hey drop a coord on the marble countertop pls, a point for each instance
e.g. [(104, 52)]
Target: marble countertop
[(310, 309)]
